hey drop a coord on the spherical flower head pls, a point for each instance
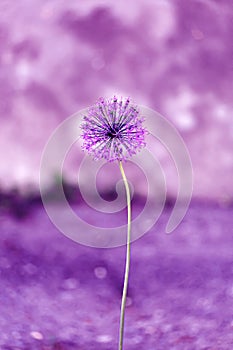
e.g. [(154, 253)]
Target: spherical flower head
[(113, 130)]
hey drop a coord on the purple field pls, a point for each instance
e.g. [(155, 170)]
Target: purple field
[(56, 294)]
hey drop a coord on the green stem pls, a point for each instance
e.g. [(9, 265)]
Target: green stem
[(127, 262)]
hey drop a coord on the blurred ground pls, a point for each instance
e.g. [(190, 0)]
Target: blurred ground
[(56, 294)]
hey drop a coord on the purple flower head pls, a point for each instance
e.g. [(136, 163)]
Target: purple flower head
[(113, 130)]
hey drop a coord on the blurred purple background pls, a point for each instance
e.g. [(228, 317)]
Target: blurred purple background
[(57, 57)]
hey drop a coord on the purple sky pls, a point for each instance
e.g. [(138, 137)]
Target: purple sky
[(58, 57)]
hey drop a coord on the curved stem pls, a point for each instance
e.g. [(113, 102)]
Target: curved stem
[(127, 262)]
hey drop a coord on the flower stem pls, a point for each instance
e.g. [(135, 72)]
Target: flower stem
[(127, 262)]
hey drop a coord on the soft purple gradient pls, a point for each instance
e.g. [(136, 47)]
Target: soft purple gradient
[(176, 57)]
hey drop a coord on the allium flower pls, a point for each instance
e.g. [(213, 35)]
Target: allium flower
[(113, 130)]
